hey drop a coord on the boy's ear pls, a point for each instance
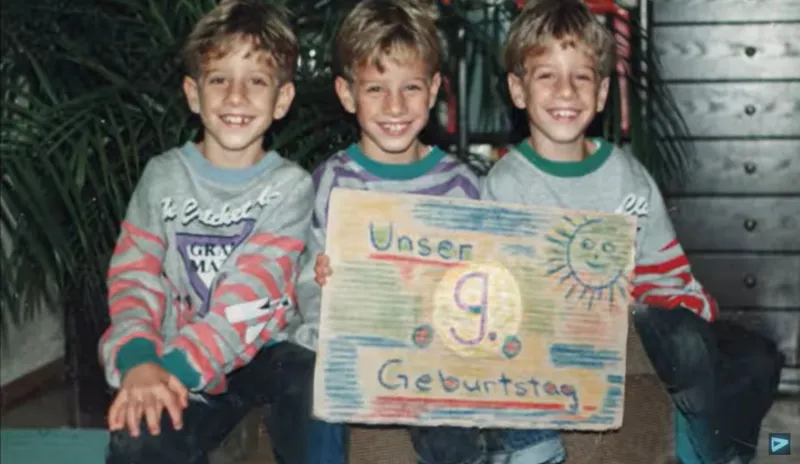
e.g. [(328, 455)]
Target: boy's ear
[(436, 82), (516, 88), (345, 93), (192, 92), (602, 93), (284, 100)]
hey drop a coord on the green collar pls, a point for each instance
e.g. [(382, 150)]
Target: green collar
[(395, 171), (568, 168)]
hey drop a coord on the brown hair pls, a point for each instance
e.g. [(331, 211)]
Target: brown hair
[(563, 20), (264, 25), (397, 29)]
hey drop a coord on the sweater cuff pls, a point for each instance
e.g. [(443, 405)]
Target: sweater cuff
[(177, 364), (135, 352)]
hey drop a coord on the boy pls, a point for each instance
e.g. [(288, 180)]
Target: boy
[(388, 62), (559, 58), (201, 283)]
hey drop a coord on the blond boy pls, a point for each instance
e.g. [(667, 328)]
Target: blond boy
[(559, 60), (388, 78), (201, 283)]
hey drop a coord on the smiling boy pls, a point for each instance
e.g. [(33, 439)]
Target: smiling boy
[(559, 59), (201, 283), (388, 77)]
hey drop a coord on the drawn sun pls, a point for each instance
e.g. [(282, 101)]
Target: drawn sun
[(590, 260)]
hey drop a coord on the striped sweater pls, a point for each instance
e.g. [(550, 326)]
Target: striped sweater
[(612, 181), (203, 272), (437, 173)]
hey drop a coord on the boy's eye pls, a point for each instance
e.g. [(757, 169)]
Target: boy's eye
[(585, 77), (545, 75), (259, 81), (414, 87), (373, 88), (216, 80)]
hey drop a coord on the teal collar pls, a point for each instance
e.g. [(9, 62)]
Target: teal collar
[(568, 168), (395, 171)]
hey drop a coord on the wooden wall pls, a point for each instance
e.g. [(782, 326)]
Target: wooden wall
[(734, 68)]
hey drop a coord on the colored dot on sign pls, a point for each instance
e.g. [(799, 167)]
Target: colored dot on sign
[(492, 336)]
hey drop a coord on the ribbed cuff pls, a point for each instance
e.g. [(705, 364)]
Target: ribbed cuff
[(135, 352), (177, 364)]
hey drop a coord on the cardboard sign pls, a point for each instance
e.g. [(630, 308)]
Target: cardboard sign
[(446, 311)]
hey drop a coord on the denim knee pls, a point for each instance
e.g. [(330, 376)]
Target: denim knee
[(166, 448), (679, 343), (448, 445)]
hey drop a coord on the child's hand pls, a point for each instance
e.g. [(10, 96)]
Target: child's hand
[(322, 269), (147, 390)]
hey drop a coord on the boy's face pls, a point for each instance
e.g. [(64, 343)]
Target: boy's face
[(238, 96), (561, 93), (392, 107)]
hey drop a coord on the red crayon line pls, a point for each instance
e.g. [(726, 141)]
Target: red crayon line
[(411, 260), (469, 403)]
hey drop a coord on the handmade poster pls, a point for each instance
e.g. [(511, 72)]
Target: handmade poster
[(446, 311)]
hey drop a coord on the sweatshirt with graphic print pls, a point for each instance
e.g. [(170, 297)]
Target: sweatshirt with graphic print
[(611, 181), (203, 274), (438, 173)]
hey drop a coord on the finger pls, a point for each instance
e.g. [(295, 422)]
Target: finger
[(116, 412), (179, 389), (152, 414), (134, 417), (171, 402)]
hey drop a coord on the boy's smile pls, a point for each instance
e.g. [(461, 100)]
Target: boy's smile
[(238, 97), (392, 108), (561, 93)]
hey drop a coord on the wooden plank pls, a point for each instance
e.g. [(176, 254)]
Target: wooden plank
[(790, 384), (747, 280), (781, 326), (747, 51), (760, 109), (742, 223), (32, 385), (743, 167), (701, 11)]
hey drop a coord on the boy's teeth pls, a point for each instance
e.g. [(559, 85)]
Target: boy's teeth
[(564, 113), (235, 119), (394, 128)]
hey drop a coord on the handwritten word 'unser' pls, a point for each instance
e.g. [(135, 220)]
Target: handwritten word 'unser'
[(382, 238), (441, 382)]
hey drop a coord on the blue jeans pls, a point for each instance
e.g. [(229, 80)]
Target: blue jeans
[(276, 376), (722, 377), (456, 445), (328, 443)]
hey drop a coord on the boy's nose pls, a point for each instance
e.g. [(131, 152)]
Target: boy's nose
[(565, 88), (396, 103), (236, 93)]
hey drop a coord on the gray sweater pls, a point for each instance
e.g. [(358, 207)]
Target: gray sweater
[(611, 181)]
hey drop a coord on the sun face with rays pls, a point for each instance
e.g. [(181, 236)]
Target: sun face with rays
[(590, 259)]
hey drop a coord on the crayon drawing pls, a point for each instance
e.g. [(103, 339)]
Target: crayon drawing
[(458, 312)]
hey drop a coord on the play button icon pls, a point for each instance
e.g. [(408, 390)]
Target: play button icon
[(780, 444)]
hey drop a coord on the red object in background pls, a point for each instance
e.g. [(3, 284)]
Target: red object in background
[(622, 33), (452, 106)]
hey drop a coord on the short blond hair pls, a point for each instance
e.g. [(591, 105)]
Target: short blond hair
[(541, 21), (394, 29), (265, 26)]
